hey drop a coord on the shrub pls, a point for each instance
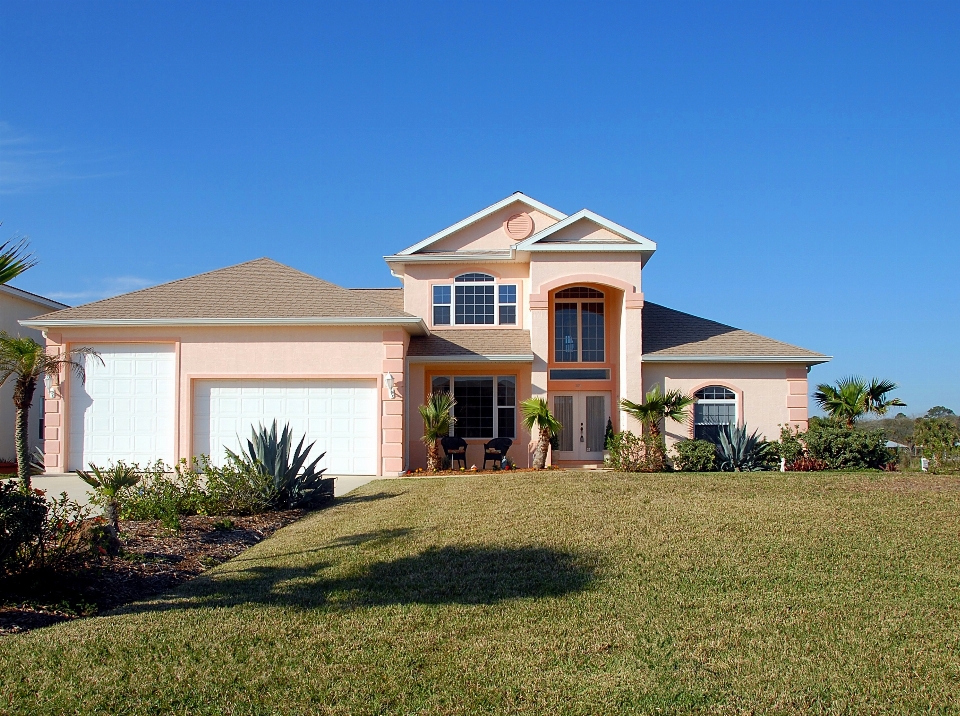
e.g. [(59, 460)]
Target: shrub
[(843, 449), (109, 484), (695, 456), (790, 445), (22, 515), (163, 495), (939, 440), (235, 488), (806, 464), (632, 453), (739, 452)]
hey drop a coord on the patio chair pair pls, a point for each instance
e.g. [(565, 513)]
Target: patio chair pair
[(494, 451)]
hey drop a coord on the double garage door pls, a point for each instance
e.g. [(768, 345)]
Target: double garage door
[(127, 411)]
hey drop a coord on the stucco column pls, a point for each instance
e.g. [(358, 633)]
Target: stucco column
[(391, 417), (631, 352), (540, 344), (54, 420)]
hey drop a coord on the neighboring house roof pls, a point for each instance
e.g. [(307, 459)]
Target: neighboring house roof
[(472, 345), (482, 214), (392, 297), (256, 292), (32, 297), (674, 336)]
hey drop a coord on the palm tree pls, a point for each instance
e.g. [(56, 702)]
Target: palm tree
[(539, 421), (437, 417), (109, 484), (29, 362), (14, 259), (658, 406), (853, 397)]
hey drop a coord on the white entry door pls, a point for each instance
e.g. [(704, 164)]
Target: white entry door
[(126, 409), (584, 418), (339, 415)]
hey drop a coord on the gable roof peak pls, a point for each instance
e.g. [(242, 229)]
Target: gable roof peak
[(482, 214)]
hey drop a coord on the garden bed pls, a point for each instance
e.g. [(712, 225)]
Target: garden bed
[(154, 559)]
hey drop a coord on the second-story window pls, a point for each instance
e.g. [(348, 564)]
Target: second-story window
[(578, 326), (441, 305), (508, 305), (474, 299)]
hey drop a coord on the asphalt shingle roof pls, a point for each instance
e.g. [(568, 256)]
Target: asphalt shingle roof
[(667, 332), (392, 297), (472, 342), (261, 288)]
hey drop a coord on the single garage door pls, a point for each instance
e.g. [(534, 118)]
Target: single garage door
[(125, 410), (340, 415)]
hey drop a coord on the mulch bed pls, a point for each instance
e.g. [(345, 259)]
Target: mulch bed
[(154, 560)]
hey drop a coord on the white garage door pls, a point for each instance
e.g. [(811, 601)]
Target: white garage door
[(340, 415), (125, 410)]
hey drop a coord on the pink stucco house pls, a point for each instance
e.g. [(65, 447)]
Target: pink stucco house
[(517, 300)]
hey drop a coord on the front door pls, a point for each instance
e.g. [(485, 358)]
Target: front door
[(583, 416)]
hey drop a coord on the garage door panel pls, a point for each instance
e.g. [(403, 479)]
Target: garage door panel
[(125, 411), (339, 417)]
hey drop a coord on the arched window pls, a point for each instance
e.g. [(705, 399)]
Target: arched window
[(716, 406), (473, 278), (578, 329)]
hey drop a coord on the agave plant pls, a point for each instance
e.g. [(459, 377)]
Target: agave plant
[(739, 452), (294, 483), (108, 483)]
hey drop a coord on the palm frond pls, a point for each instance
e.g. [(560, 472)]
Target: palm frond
[(15, 258), (536, 416)]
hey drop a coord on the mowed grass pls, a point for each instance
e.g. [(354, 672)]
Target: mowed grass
[(553, 593)]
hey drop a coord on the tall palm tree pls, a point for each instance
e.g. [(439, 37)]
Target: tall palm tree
[(853, 397), (29, 362), (540, 423), (437, 417), (658, 406), (15, 259)]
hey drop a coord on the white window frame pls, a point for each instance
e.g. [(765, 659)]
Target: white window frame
[(735, 400), (496, 406), (496, 283)]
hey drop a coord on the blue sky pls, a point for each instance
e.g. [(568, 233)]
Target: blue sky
[(798, 164)]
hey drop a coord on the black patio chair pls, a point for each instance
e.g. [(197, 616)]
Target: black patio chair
[(455, 449), (496, 450)]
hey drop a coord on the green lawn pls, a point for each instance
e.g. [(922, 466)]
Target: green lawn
[(559, 592)]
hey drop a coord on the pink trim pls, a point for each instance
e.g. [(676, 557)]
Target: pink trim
[(631, 297)]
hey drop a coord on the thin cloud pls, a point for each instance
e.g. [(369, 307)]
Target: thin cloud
[(105, 288), (27, 163)]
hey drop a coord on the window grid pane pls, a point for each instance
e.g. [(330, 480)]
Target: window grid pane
[(474, 305), (440, 384), (715, 392), (473, 278), (441, 315), (508, 315), (565, 332), (506, 419), (579, 292), (508, 294), (474, 408), (592, 320)]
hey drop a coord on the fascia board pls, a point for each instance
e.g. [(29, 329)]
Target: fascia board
[(586, 247), (482, 214), (472, 359), (416, 324), (642, 241), (463, 259), (32, 297), (807, 360)]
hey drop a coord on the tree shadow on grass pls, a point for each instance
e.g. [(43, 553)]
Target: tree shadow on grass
[(446, 575), (375, 497)]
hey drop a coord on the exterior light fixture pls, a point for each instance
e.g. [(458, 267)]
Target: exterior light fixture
[(49, 386), (390, 383)]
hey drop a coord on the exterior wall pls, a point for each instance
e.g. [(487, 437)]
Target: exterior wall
[(419, 376), (768, 394), (13, 309), (419, 279), (205, 352), (584, 231), (488, 233)]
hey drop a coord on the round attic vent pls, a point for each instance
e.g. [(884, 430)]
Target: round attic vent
[(518, 226)]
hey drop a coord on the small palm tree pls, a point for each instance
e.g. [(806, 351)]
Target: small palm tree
[(108, 482), (658, 406), (540, 423), (29, 362), (438, 418), (853, 397), (14, 259)]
